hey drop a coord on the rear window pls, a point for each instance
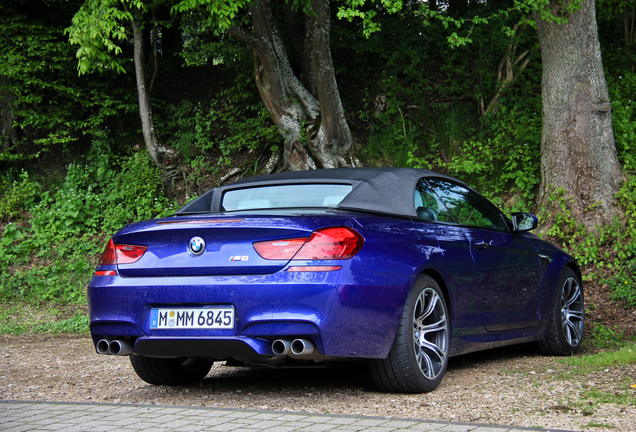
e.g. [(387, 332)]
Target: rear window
[(285, 196)]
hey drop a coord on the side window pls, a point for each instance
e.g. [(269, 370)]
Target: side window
[(428, 206), (467, 207)]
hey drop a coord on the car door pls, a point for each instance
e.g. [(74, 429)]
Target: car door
[(507, 266), (446, 249)]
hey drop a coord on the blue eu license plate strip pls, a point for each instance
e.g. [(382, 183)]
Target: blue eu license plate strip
[(216, 317)]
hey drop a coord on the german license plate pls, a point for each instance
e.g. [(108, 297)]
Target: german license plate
[(215, 317)]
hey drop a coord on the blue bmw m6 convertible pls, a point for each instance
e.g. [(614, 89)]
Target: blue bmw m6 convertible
[(400, 268)]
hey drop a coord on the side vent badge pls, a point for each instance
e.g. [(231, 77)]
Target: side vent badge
[(197, 245)]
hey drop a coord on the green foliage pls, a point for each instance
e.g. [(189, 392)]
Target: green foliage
[(20, 317), (76, 324), (49, 105), (434, 94), (394, 143), (97, 28), (223, 14), (622, 89), (610, 251), (511, 143), (17, 196), (70, 224), (602, 336), (101, 195), (621, 277), (423, 107), (231, 122), (622, 283), (464, 26), (354, 9), (593, 362), (56, 280), (565, 229)]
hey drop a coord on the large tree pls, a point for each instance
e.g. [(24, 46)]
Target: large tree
[(301, 96), (97, 28), (578, 154)]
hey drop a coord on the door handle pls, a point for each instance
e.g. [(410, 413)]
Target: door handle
[(546, 258), (480, 244)]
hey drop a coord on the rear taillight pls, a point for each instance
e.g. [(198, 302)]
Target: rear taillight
[(108, 256), (128, 254), (121, 253), (323, 244), (279, 249), (331, 244)]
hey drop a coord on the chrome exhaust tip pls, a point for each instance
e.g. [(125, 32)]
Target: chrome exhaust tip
[(302, 347), (120, 347), (281, 347), (103, 347)]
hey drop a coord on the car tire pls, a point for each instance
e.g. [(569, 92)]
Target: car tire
[(170, 371), (419, 355), (565, 331)]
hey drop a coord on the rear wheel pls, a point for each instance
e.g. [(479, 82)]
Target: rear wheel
[(419, 355), (170, 371), (565, 331)]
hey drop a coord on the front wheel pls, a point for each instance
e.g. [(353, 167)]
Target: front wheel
[(419, 355), (170, 371), (565, 331)]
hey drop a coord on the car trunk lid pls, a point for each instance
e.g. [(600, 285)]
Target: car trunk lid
[(198, 246)]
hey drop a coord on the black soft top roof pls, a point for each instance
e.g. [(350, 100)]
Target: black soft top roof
[(384, 190)]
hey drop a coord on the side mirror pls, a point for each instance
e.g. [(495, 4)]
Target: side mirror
[(524, 222)]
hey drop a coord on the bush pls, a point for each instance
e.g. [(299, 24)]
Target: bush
[(19, 196), (509, 141), (52, 259)]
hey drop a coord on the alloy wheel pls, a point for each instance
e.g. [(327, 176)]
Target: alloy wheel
[(430, 328), (572, 311)]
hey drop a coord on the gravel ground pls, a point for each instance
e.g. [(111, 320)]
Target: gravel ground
[(511, 386)]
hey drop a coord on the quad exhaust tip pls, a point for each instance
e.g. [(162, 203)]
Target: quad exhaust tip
[(297, 347), (102, 346), (114, 347), (302, 347), (281, 347)]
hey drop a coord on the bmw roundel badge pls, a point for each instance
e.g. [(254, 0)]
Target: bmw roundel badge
[(197, 245)]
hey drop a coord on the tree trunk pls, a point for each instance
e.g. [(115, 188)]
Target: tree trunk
[(333, 138), (155, 150), (314, 128), (578, 153), (10, 134)]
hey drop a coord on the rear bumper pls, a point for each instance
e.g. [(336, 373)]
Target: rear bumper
[(351, 312)]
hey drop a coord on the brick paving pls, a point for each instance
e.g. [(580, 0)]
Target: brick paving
[(77, 417)]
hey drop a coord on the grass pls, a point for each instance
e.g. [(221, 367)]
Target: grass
[(22, 317), (622, 396), (601, 337), (582, 366), (593, 362), (594, 424)]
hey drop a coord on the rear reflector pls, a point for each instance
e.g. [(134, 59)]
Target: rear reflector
[(313, 268), (105, 273), (121, 254), (324, 244)]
